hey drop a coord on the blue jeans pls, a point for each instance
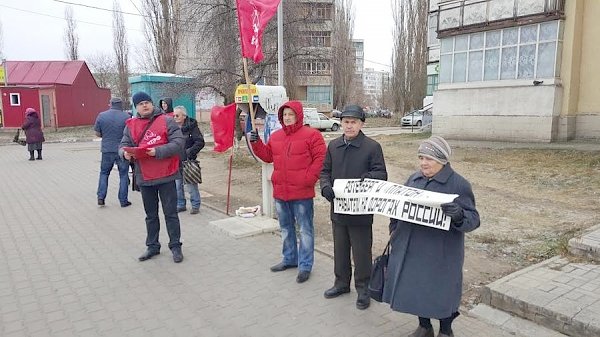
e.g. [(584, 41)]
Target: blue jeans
[(167, 195), (109, 159), (194, 194), (290, 213)]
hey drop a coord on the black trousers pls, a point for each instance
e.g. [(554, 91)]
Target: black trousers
[(168, 198), (358, 240)]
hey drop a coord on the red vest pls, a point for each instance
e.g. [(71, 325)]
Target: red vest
[(151, 167)]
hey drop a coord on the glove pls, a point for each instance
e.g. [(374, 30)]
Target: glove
[(254, 136), (328, 193), (365, 176), (454, 211)]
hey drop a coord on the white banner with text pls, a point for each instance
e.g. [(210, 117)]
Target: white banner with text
[(392, 200)]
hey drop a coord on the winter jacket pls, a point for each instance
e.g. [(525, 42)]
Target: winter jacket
[(194, 140), (361, 156), (424, 275), (297, 154), (33, 128), (164, 135), (109, 125)]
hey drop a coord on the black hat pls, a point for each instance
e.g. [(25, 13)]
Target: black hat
[(353, 111), (140, 97)]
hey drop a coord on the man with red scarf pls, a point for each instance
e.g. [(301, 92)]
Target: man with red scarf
[(154, 141)]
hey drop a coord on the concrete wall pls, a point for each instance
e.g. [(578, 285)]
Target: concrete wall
[(501, 110)]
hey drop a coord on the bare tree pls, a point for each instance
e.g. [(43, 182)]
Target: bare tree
[(409, 61), (344, 62), (121, 54), (103, 68), (72, 45), (163, 24)]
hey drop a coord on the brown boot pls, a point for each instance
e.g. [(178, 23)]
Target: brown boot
[(422, 332)]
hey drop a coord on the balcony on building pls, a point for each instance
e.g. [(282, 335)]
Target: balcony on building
[(467, 16)]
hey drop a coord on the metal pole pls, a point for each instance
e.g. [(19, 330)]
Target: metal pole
[(5, 72), (267, 169)]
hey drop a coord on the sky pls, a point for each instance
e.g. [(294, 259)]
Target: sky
[(34, 29)]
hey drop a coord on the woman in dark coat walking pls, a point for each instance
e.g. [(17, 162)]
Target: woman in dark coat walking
[(34, 136), (424, 276)]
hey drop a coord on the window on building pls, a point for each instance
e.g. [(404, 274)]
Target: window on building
[(525, 52), (317, 39), (432, 39), (315, 67), (432, 84), (318, 94), (318, 11), (15, 99)]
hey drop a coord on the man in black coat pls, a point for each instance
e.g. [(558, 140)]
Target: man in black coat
[(351, 156)]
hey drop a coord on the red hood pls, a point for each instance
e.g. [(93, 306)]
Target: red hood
[(297, 107)]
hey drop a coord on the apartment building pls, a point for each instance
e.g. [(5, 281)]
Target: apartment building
[(374, 84), (515, 70)]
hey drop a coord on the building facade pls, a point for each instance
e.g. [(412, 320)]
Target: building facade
[(375, 82), (515, 70)]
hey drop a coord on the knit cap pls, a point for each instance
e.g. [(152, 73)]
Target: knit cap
[(140, 97), (436, 148)]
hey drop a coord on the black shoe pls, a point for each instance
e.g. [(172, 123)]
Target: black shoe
[(126, 203), (181, 209), (38, 158), (177, 254), (302, 276), (363, 301), (100, 202), (282, 266), (31, 158), (195, 211), (334, 292), (148, 254)]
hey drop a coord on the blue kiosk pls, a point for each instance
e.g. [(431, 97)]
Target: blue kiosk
[(161, 85)]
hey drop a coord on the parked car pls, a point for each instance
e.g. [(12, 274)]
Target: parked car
[(320, 121), (335, 113), (414, 118), (385, 113)]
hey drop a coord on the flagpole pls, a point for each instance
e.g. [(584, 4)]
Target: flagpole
[(248, 83)]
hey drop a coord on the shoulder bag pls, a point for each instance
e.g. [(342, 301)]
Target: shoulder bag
[(192, 173), (379, 272)]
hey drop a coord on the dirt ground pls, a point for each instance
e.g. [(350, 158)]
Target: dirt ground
[(531, 200)]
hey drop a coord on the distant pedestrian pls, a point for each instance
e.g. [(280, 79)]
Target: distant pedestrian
[(109, 126), (424, 275), (156, 141), (34, 136), (194, 142), (166, 105), (352, 156), (297, 152)]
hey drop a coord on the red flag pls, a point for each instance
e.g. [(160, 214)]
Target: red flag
[(222, 123), (253, 16)]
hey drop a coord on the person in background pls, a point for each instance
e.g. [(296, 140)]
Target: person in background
[(34, 136), (109, 126), (424, 275), (157, 143), (194, 142), (166, 105), (297, 152), (352, 156)]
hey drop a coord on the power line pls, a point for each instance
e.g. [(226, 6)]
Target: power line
[(100, 8), (378, 63), (61, 18)]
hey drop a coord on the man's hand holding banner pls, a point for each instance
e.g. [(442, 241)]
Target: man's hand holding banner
[(392, 200)]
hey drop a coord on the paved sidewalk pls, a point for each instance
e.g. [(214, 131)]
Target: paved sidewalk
[(69, 268)]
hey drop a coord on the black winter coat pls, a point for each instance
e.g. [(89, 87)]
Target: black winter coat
[(351, 161), (194, 140)]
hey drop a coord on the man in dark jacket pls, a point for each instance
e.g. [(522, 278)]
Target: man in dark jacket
[(194, 142), (351, 156), (297, 152), (109, 126), (155, 141)]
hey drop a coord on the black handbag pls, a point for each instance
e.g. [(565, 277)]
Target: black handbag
[(17, 140), (192, 173), (379, 273)]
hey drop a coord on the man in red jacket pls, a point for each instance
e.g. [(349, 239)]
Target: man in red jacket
[(297, 153)]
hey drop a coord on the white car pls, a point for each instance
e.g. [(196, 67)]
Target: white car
[(321, 122), (414, 118)]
